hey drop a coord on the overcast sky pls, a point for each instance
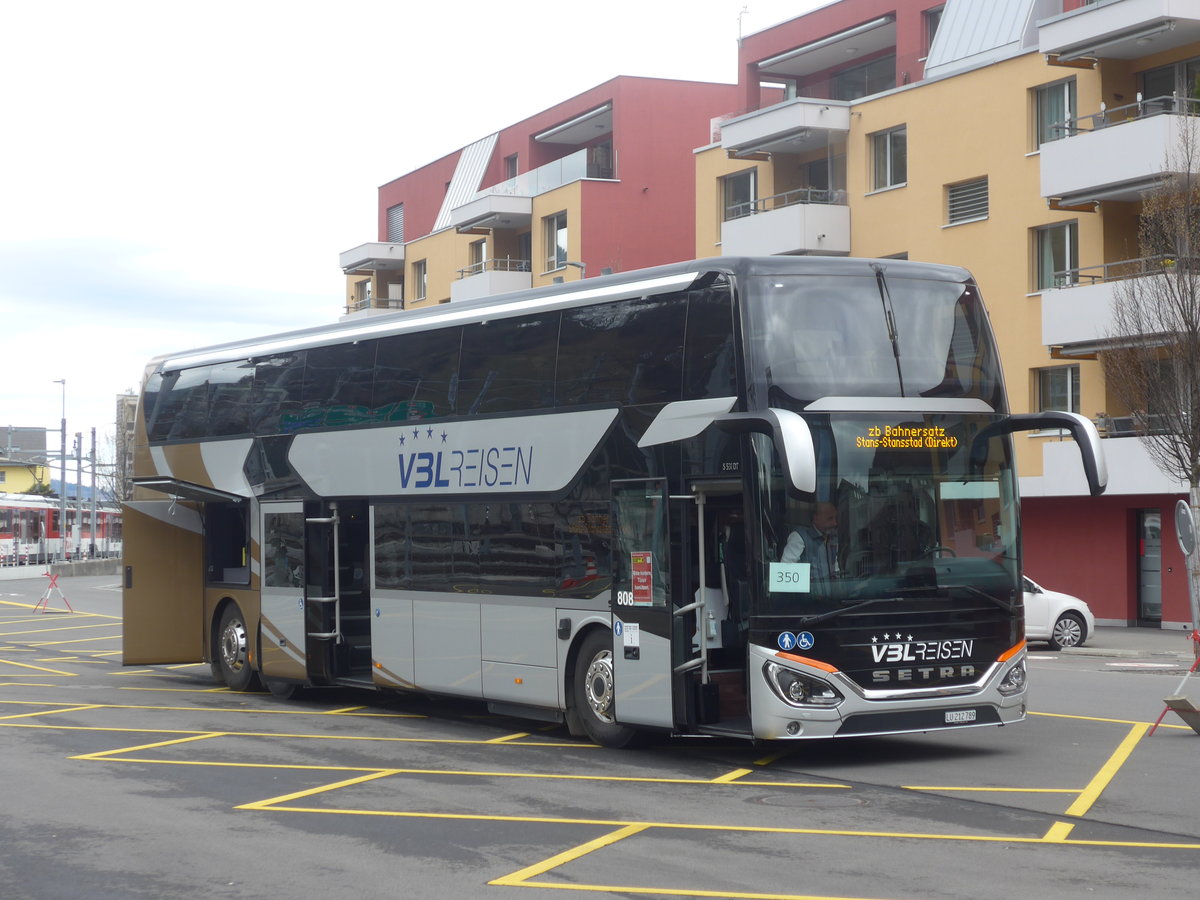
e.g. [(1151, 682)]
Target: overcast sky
[(175, 174)]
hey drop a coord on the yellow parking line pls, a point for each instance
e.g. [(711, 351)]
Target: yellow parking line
[(264, 804), (1097, 785), (729, 777), (517, 879), (508, 737), (49, 712), (64, 628), (104, 754), (9, 662)]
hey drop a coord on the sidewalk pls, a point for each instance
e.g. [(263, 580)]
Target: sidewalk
[(1135, 643)]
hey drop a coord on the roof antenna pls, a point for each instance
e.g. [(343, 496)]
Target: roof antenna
[(745, 10)]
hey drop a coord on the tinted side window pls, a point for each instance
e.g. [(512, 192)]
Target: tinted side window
[(625, 352), (416, 375), (709, 364), (230, 398), (277, 384), (337, 384), (182, 408), (508, 364)]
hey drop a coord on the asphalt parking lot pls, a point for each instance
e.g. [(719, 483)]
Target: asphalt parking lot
[(159, 782)]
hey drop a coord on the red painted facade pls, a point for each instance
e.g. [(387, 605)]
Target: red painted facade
[(910, 47), (1091, 547), (645, 216)]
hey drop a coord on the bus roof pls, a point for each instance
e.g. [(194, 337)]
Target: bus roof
[(625, 285)]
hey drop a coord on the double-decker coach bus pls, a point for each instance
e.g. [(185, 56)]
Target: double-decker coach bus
[(769, 498)]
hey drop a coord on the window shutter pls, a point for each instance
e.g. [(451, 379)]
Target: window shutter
[(395, 224), (968, 201)]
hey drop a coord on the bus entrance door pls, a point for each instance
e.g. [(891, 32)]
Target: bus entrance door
[(336, 596), (283, 638), (643, 655)]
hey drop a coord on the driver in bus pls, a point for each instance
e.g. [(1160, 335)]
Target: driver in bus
[(816, 542)]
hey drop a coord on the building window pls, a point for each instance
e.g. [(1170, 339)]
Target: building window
[(362, 293), (1058, 389), (395, 224), (420, 280), (1057, 251), (890, 155), (478, 251), (510, 166), (967, 202), (1055, 110), (556, 241), (869, 78), (738, 194), (933, 18)]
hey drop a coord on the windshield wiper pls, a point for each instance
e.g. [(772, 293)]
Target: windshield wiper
[(889, 317)]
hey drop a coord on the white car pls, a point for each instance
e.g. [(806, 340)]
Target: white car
[(1059, 619)]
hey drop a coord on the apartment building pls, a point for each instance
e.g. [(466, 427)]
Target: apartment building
[(1012, 137), (600, 182)]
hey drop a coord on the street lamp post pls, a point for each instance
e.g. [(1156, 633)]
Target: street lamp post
[(62, 472)]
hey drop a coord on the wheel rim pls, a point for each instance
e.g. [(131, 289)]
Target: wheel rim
[(233, 645), (598, 686), (1067, 632)]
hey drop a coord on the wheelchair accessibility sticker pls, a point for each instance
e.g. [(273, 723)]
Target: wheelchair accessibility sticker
[(802, 640)]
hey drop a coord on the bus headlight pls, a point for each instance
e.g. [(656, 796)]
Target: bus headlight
[(1014, 680), (796, 689)]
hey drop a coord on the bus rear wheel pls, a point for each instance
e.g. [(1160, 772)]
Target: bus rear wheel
[(233, 650), (594, 689)]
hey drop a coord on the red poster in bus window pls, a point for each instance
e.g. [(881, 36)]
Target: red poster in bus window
[(642, 567)]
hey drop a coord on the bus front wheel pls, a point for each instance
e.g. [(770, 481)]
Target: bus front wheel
[(594, 688), (233, 650)]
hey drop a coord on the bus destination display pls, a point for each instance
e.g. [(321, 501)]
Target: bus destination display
[(906, 437)]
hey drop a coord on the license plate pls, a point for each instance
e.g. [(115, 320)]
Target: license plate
[(958, 716)]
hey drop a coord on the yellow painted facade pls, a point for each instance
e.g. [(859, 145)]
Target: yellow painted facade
[(980, 123), (20, 479)]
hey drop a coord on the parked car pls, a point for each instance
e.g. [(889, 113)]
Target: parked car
[(1059, 619)]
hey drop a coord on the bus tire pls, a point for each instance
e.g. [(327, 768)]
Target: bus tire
[(593, 689), (233, 650)]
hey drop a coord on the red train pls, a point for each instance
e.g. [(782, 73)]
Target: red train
[(30, 532)]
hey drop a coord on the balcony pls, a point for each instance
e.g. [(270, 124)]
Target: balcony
[(1117, 154), (491, 277), (1119, 29), (801, 125), (374, 257), (1130, 470), (1077, 317), (509, 204), (803, 221)]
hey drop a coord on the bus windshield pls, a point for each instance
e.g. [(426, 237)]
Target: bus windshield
[(900, 511), (815, 336)]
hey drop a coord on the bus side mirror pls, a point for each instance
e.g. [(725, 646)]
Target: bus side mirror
[(1082, 430), (792, 439)]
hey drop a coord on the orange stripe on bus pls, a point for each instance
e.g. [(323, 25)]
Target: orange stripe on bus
[(815, 663), (1011, 652)]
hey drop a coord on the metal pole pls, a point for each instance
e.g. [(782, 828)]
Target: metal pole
[(62, 474), (77, 532), (94, 520)]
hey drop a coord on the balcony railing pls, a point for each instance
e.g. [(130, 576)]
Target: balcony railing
[(507, 264), (1123, 269), (1130, 112), (787, 198), (572, 167)]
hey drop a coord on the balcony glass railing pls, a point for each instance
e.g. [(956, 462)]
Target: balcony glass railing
[(1122, 269), (787, 198), (496, 265), (1142, 108), (573, 167)]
